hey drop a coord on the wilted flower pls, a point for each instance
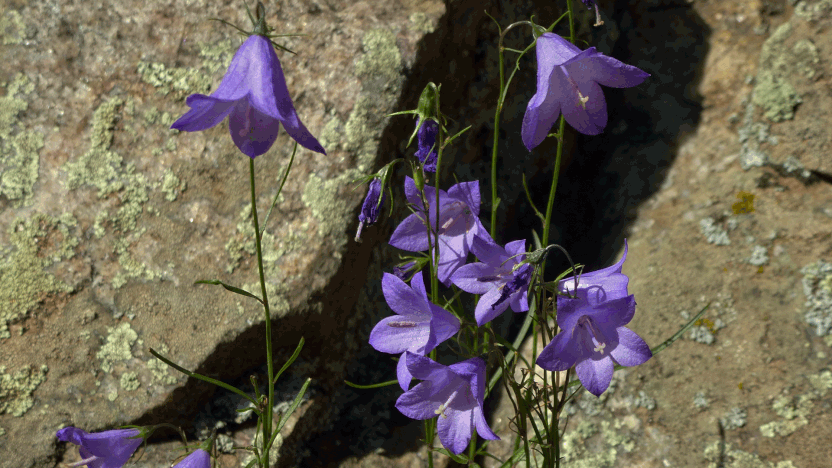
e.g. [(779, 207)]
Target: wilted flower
[(426, 138), (418, 327), (199, 458), (459, 208), (593, 337), (568, 81), (371, 207), (496, 279), (253, 94), (108, 449), (454, 393)]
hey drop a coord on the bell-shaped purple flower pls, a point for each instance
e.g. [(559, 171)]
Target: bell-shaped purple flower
[(426, 139), (108, 449), (593, 337), (498, 277), (371, 207), (568, 81), (418, 327), (459, 224), (254, 96), (454, 393), (199, 458)]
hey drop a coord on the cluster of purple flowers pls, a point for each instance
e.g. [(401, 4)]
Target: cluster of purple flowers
[(592, 318)]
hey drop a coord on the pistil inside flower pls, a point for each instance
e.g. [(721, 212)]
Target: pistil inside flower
[(592, 334), (582, 100), (444, 406)]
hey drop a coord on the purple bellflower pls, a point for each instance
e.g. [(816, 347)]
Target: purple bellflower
[(454, 393), (371, 207), (426, 138), (199, 458), (254, 96), (593, 337), (108, 449), (418, 327), (568, 81), (498, 278), (459, 224)]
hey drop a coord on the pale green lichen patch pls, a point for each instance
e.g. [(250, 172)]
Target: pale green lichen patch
[(725, 457), (773, 90), (16, 389), (12, 28), (381, 55), (117, 348), (185, 81), (105, 170), (129, 381), (172, 186), (793, 412), (422, 23), (99, 166), (19, 158), (37, 243)]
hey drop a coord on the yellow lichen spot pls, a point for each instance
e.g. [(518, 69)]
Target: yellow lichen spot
[(760, 269), (739, 385), (745, 205), (708, 323)]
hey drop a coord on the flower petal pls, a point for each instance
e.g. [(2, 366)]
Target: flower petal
[(455, 429), (388, 336), (561, 353), (585, 112), (608, 71), (252, 131), (520, 302), (443, 324), (476, 278), (485, 312), (404, 299), (594, 375), (402, 374), (416, 403), (468, 193), (199, 458), (205, 112), (632, 350), (483, 429), (411, 234)]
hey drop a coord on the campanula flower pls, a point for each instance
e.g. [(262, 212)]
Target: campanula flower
[(426, 139), (418, 327), (199, 458), (568, 81), (459, 224), (371, 207), (499, 277), (593, 337), (453, 393), (254, 96), (108, 449)]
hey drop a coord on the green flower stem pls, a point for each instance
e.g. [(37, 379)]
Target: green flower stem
[(267, 412)]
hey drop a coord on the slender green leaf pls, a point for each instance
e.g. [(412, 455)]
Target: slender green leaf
[(295, 404), (378, 385), (233, 289), (203, 377), (291, 359), (454, 457)]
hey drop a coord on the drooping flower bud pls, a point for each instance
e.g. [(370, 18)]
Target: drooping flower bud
[(371, 207), (426, 138)]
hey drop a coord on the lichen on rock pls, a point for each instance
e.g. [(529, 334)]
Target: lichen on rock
[(16, 389)]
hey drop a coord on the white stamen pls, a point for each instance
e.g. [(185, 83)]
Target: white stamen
[(583, 99), (86, 461), (598, 21), (600, 348)]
